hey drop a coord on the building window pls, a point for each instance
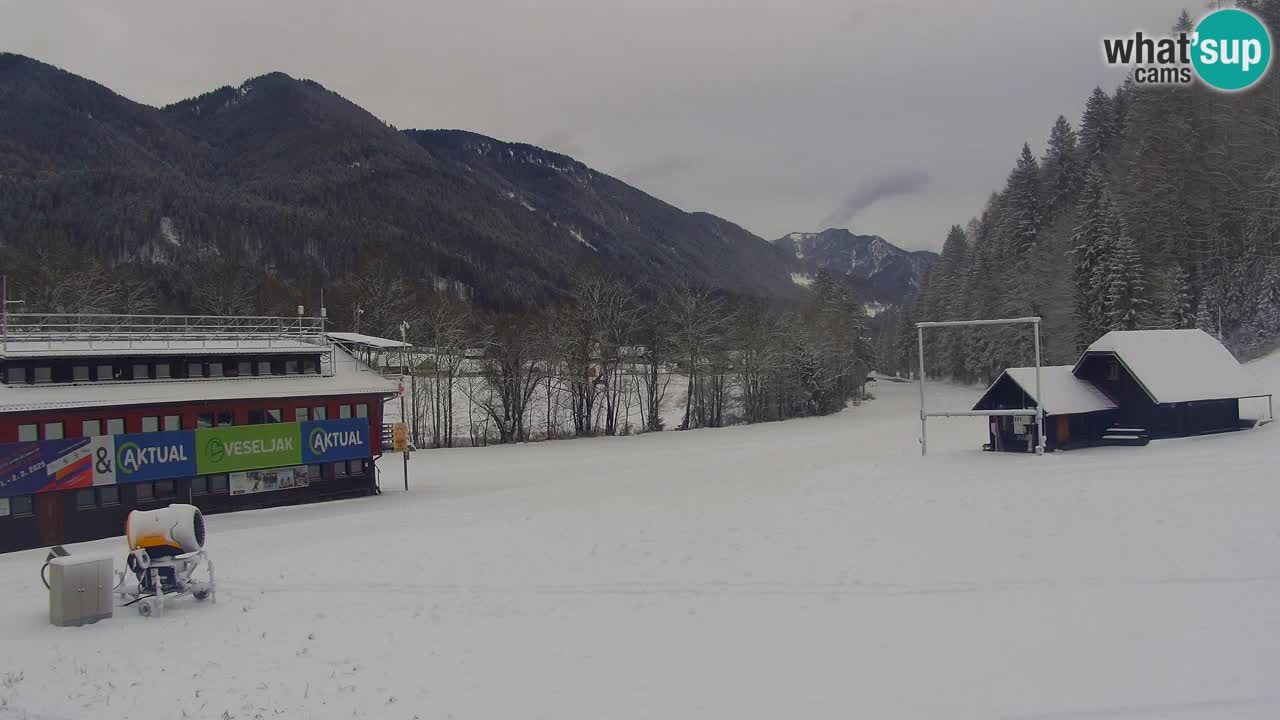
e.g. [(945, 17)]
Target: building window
[(362, 410), (141, 371), (151, 423), (215, 369), (245, 368), (106, 372), (344, 412), (217, 483), (200, 485), (80, 373), (115, 426), (195, 370), (340, 469), (204, 420), (28, 433), (275, 415), (21, 505), (291, 367), (108, 495), (91, 428), (1113, 371), (163, 371), (44, 374), (257, 417), (310, 365), (355, 467), (313, 473), (264, 367), (15, 375), (53, 431), (320, 413), (165, 490), (144, 492), (301, 415), (86, 499), (172, 423), (226, 418)]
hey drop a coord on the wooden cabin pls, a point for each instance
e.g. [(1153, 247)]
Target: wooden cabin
[(1127, 388), (1077, 414)]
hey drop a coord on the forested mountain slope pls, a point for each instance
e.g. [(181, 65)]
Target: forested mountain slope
[(1159, 208), (251, 199)]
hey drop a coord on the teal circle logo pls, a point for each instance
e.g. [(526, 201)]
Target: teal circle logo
[(1231, 49)]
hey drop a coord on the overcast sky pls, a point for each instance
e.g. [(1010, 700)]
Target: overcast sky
[(780, 116)]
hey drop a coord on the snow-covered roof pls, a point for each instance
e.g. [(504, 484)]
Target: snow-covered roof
[(1178, 365), (369, 340), (349, 377), (87, 347), (1064, 393)]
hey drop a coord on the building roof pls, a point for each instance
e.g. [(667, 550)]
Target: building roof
[(1064, 393), (367, 340), (62, 348), (1177, 365), (349, 377)]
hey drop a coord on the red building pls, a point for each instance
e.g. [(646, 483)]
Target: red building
[(103, 414)]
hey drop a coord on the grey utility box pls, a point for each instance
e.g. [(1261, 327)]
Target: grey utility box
[(80, 589)]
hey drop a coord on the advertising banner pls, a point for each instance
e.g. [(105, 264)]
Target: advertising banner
[(334, 440), (144, 457), (256, 481), (32, 467), (247, 447)]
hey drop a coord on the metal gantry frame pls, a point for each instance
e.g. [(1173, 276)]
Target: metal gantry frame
[(925, 414)]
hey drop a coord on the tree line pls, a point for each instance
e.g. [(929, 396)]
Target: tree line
[(605, 362), (1160, 208)]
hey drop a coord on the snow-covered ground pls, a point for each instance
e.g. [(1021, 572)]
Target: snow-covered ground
[(815, 568)]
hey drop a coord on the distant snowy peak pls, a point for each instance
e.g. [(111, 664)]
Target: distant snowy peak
[(883, 272)]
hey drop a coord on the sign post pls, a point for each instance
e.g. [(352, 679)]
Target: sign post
[(400, 444)]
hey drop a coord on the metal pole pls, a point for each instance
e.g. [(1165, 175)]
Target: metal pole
[(404, 329), (1039, 394), (924, 419)]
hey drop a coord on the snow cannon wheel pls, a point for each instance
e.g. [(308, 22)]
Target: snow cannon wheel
[(147, 608)]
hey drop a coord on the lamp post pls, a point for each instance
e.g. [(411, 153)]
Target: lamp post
[(404, 333)]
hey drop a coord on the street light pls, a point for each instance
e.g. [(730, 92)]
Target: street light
[(404, 333)]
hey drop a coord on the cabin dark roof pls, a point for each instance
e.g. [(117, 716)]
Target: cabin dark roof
[(1064, 393), (1177, 365)]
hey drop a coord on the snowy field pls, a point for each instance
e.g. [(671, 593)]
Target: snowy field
[(814, 568)]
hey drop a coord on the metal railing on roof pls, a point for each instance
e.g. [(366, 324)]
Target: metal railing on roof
[(35, 331)]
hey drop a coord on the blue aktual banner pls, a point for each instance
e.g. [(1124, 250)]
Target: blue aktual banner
[(142, 457), (333, 440)]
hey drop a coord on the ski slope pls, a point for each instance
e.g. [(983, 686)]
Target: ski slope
[(815, 568)]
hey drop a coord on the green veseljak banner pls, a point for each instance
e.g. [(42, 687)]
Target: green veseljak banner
[(247, 447)]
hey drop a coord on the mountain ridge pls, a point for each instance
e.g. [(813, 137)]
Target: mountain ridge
[(287, 187)]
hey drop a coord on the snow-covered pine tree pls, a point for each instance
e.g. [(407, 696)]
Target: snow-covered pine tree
[(1091, 252), (1268, 318), (1127, 306), (1062, 168), (1178, 310), (1023, 206), (1206, 317), (1097, 126)]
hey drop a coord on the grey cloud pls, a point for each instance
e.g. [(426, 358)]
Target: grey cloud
[(656, 170), (887, 186)]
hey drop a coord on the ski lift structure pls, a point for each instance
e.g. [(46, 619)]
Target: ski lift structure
[(1037, 412)]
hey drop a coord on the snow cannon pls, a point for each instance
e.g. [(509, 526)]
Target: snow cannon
[(169, 531), (166, 548)]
